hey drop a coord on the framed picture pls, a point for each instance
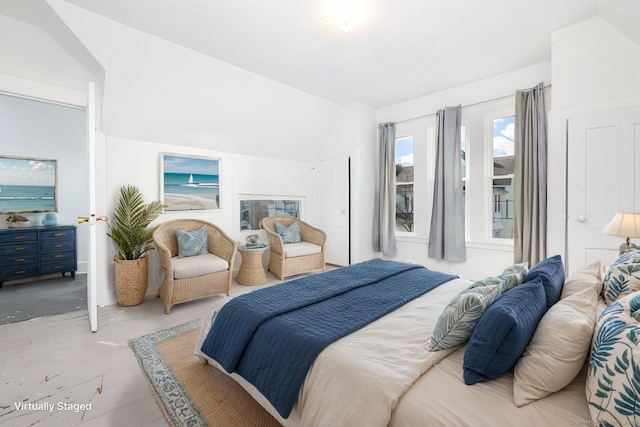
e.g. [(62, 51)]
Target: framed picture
[(189, 183), (28, 185)]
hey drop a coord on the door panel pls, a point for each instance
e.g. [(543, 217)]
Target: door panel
[(335, 209), (602, 152)]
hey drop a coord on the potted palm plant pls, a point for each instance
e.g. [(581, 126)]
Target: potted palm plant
[(133, 238)]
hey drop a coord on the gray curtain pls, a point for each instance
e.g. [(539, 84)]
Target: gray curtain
[(530, 172), (384, 211), (446, 237)]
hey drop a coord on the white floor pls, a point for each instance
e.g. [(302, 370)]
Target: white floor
[(56, 362)]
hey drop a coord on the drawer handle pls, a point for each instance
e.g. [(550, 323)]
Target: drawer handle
[(58, 267), (20, 272), (58, 256), (20, 249), (57, 246), (19, 237), (58, 234), (19, 259)]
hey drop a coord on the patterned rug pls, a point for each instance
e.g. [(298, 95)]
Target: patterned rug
[(189, 391)]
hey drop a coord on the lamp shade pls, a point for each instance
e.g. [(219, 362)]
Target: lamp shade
[(625, 224)]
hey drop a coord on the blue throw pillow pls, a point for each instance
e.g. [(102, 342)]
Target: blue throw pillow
[(192, 243), (503, 332), (290, 234), (551, 271)]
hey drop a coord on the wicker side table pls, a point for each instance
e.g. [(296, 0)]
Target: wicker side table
[(251, 269)]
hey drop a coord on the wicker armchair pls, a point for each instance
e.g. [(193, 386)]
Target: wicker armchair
[(294, 258), (199, 278)]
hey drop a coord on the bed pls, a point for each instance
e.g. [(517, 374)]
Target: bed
[(384, 373)]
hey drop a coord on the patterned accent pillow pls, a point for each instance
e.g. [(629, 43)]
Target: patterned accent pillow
[(290, 234), (623, 277), (613, 386), (515, 275), (192, 243), (461, 315)]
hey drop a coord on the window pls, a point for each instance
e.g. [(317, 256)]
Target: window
[(502, 178), (252, 211), (404, 184)]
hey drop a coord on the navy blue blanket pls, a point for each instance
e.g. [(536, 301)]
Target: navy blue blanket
[(271, 336)]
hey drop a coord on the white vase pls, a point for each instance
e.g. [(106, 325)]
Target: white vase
[(19, 224)]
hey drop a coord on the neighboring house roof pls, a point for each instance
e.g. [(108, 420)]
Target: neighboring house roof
[(503, 165), (405, 174)]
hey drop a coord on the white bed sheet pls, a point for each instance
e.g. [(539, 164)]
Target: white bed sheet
[(383, 374), (440, 398)]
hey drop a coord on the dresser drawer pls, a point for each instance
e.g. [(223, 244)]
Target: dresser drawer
[(19, 248), (18, 273), (53, 257), (18, 260), (60, 234), (18, 237), (56, 246), (58, 267)]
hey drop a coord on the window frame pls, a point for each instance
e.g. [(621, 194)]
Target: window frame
[(489, 176)]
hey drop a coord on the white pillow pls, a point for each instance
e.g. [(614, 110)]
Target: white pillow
[(559, 347), (584, 277)]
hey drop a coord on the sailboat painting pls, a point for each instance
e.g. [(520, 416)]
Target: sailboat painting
[(189, 183)]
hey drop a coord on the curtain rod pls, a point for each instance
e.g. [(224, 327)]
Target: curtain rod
[(464, 106), (48, 101)]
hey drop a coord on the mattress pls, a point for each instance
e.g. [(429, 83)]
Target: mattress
[(383, 374)]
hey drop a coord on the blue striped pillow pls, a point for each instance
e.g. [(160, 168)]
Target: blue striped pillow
[(192, 243)]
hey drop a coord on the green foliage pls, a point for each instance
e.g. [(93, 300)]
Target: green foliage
[(131, 233), (17, 218)]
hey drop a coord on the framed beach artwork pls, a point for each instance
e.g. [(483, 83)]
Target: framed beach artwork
[(189, 183), (28, 185)]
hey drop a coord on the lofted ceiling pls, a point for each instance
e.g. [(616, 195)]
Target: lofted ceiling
[(403, 49)]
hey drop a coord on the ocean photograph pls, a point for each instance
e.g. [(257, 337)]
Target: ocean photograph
[(25, 198), (27, 185), (190, 183)]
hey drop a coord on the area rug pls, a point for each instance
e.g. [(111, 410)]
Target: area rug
[(189, 391)]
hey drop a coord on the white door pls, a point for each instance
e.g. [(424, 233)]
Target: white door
[(335, 209), (90, 221), (603, 152)]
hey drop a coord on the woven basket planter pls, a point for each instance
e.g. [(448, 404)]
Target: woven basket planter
[(131, 281)]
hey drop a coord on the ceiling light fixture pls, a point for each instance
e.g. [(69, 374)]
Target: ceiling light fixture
[(346, 14)]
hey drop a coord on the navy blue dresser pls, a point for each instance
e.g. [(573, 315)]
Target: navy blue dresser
[(37, 251)]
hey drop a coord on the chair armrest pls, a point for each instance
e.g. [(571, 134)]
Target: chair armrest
[(276, 245), (222, 245), (165, 257), (312, 234)]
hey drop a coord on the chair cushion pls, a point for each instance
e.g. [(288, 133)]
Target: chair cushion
[(300, 249), (197, 265), (192, 243), (290, 234)]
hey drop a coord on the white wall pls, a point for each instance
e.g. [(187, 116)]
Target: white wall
[(353, 133), (482, 259), (42, 130), (137, 163), (159, 91), (595, 68)]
